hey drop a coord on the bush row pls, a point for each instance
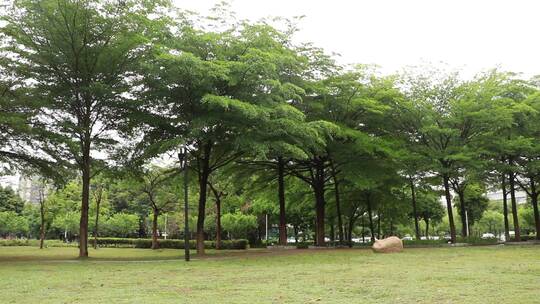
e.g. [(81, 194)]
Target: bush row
[(130, 243), (171, 243), (525, 238)]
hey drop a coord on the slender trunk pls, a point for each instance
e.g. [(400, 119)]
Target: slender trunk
[(42, 224), (83, 224), (511, 181), (534, 201), (96, 228), (379, 225), (352, 220), (319, 210), (281, 198), (332, 232), (415, 213), (295, 229), (218, 223), (449, 208), (461, 196), (155, 244), (505, 208), (363, 230), (320, 203), (204, 173), (426, 220), (370, 217), (338, 205)]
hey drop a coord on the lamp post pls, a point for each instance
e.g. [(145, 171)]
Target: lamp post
[(182, 157)]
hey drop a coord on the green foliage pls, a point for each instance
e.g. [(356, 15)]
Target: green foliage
[(12, 224), (477, 240), (169, 243), (67, 222), (121, 225), (491, 221), (238, 224), (10, 201)]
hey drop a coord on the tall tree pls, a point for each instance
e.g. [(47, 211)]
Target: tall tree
[(219, 94), (79, 56), (445, 117)]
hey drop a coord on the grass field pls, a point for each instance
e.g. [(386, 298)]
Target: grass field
[(494, 274)]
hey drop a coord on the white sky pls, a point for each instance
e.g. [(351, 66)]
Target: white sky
[(472, 35)]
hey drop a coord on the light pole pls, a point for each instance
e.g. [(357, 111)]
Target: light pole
[(182, 157)]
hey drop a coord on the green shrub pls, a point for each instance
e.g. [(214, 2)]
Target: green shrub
[(524, 238), (15, 242), (474, 240), (420, 243), (171, 243), (303, 245)]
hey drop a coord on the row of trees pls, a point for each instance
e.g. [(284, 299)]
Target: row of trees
[(114, 85), (125, 211)]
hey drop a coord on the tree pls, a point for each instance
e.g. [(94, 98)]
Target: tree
[(18, 133), (528, 161), (217, 93), (429, 209), (239, 224), (80, 58), (491, 221), (10, 201), (445, 117), (12, 224), (475, 202), (42, 209), (121, 225), (155, 183)]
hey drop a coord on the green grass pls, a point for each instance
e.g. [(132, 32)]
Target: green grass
[(429, 275)]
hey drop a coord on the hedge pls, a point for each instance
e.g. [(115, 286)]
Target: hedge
[(524, 238), (130, 243), (171, 243)]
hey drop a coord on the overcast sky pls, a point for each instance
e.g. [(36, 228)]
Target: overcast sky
[(471, 35)]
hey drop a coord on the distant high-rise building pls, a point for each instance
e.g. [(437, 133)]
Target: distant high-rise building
[(31, 188)]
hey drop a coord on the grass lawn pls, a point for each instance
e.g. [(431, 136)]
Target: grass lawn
[(494, 274)]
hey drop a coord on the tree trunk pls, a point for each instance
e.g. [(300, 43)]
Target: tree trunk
[(204, 173), (505, 208), (83, 224), (370, 217), (42, 224), (319, 210), (462, 210), (218, 223), (426, 220), (449, 208), (379, 225), (155, 244), (332, 232), (96, 228), (415, 214), (534, 201), (352, 220), (320, 203), (338, 205), (363, 232), (281, 198), (511, 181)]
